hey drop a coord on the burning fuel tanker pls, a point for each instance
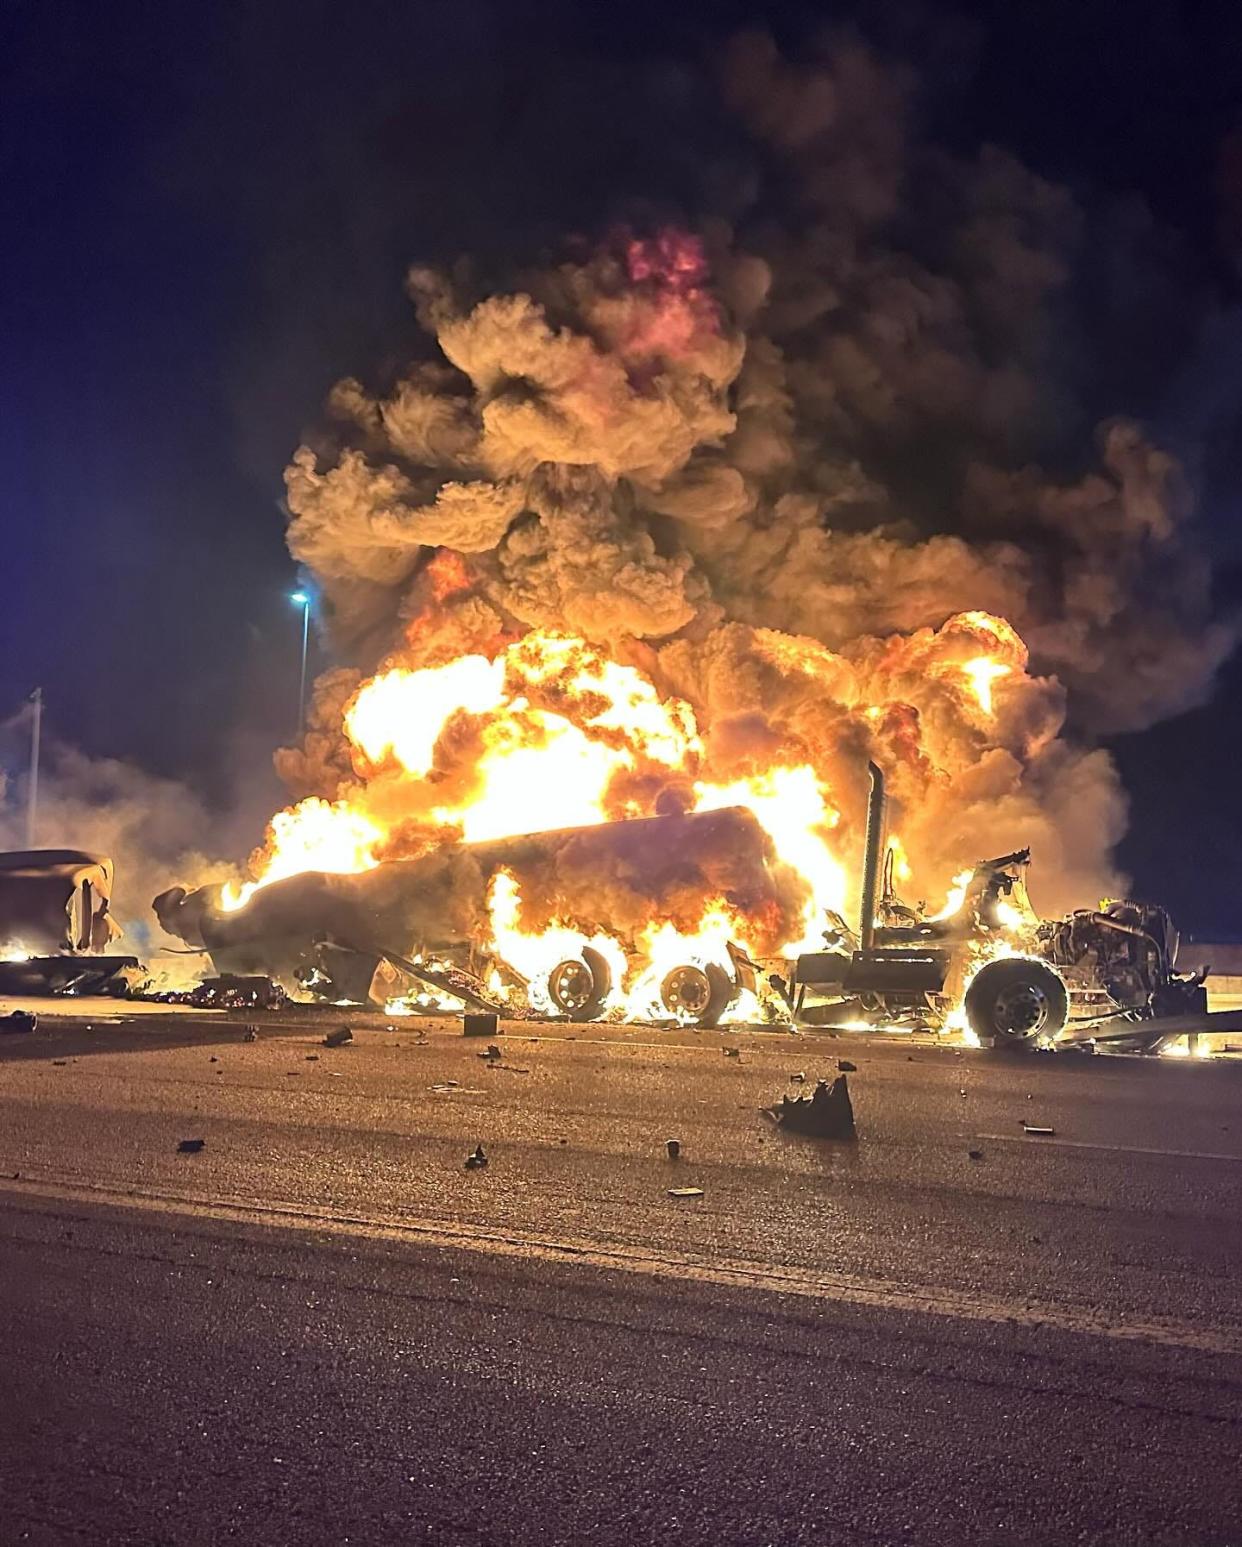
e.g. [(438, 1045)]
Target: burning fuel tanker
[(449, 920), (651, 551)]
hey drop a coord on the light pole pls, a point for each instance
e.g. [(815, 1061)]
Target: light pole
[(32, 789), (302, 600)]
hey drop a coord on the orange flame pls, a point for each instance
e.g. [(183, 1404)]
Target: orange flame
[(549, 731)]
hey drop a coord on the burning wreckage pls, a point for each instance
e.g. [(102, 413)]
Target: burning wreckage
[(626, 579), (409, 931)]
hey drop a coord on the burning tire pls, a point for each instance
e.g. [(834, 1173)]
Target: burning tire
[(1016, 1000), (699, 995), (579, 986)]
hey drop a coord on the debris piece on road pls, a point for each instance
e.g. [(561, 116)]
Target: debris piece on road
[(190, 1146), (213, 1059), (798, 1079), (476, 1160), (19, 1020), (312, 1058), (444, 1085), (846, 1067), (673, 1146), (731, 1052), (231, 992), (491, 1053), (480, 1023), (828, 1113), (251, 1034), (1036, 1128), (685, 1192), (975, 1154), (59, 1063), (339, 1037)]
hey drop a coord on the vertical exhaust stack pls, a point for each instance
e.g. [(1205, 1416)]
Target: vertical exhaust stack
[(871, 857)]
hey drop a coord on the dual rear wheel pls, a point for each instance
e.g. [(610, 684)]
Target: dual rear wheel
[(579, 988)]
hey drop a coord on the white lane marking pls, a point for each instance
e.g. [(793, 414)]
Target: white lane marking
[(1111, 1149), (880, 1294)]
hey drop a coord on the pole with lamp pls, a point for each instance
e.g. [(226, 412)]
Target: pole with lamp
[(302, 599), (32, 787)]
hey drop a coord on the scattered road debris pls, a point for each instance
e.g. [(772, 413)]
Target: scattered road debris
[(339, 1037), (480, 1023), (312, 1058), (798, 1079), (190, 1146), (231, 992), (444, 1085), (673, 1146), (213, 1059), (846, 1067), (827, 1113), (975, 1154), (19, 1020), (685, 1192), (59, 1063), (477, 1160), (1035, 1128), (731, 1052), (491, 1053)]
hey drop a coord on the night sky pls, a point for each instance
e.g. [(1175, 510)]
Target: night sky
[(209, 212)]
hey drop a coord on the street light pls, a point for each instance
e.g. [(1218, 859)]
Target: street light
[(302, 599)]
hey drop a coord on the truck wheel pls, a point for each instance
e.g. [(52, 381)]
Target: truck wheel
[(699, 995), (578, 987), (1016, 1000)]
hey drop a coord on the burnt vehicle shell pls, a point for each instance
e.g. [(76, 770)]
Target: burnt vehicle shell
[(49, 898), (341, 935)]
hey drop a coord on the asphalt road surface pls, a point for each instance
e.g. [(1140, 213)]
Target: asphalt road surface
[(324, 1328)]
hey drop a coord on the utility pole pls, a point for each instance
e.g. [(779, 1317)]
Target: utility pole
[(32, 789)]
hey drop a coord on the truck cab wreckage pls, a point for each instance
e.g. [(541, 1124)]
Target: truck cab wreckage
[(992, 968)]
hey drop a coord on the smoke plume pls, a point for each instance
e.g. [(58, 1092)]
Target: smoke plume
[(803, 462)]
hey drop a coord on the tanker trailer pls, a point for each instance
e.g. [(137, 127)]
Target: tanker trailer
[(334, 935)]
